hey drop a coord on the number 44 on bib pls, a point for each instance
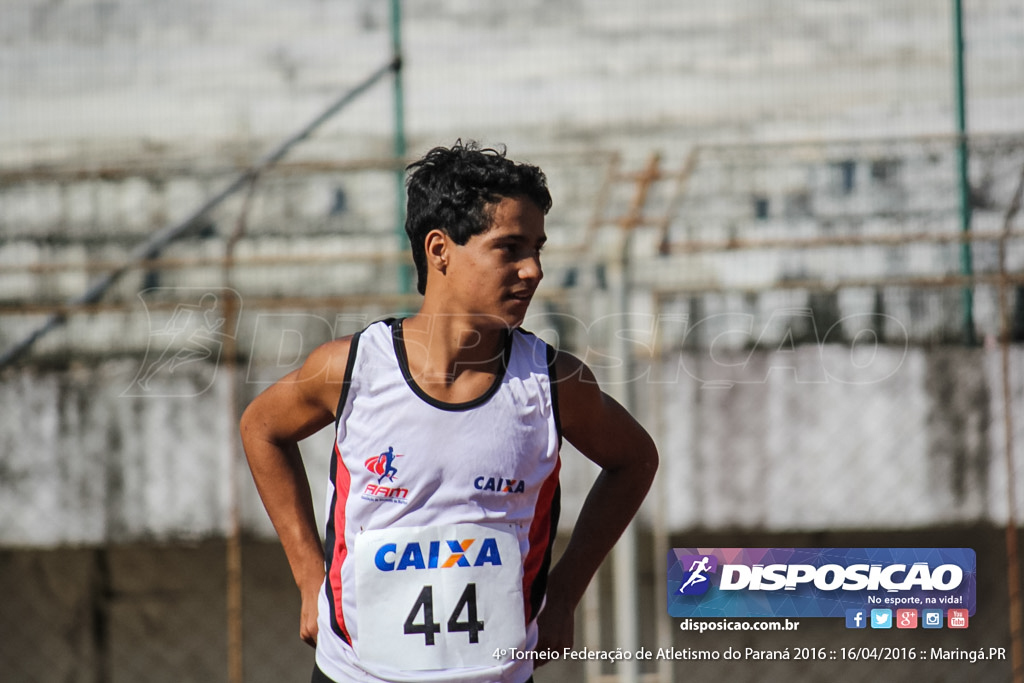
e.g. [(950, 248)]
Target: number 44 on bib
[(440, 597)]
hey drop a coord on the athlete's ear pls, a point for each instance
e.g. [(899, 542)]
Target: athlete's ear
[(436, 243)]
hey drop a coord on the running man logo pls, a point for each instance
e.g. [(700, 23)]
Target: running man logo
[(455, 553), (383, 465), (184, 341), (695, 580)]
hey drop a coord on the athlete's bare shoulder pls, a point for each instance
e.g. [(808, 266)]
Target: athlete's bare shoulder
[(322, 374), (303, 401), (576, 387), (570, 368)]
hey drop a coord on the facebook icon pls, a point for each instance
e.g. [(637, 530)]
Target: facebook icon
[(856, 618)]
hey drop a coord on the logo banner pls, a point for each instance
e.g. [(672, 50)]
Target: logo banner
[(817, 582)]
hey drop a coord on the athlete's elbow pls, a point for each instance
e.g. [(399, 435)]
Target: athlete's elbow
[(648, 459), (247, 422), (252, 427), (641, 464)]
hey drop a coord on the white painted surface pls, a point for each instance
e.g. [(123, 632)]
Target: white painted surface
[(87, 82), (784, 449), (94, 77)]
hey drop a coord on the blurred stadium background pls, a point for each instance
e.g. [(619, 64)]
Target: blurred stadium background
[(786, 234)]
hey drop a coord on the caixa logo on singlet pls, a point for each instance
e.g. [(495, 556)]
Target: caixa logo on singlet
[(446, 554), (499, 484)]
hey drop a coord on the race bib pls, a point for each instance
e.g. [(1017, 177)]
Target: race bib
[(443, 597)]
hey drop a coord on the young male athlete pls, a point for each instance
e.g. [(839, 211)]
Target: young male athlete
[(443, 496)]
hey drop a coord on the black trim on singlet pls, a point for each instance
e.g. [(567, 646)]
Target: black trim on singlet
[(329, 540), (329, 535), (347, 381), (553, 383), (540, 583), (403, 364)]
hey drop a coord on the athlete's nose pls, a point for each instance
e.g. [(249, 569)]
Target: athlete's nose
[(530, 269)]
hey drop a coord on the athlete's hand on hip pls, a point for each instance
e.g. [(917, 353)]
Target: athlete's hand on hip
[(556, 628), (307, 620)]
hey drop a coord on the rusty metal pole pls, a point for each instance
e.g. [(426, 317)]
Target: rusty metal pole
[(233, 559), (1012, 552), (234, 536), (963, 176), (624, 569)]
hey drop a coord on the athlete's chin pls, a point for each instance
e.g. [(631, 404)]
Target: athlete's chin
[(508, 313), (497, 319), (515, 311)]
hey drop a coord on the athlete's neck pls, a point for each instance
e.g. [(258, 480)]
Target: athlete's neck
[(444, 350)]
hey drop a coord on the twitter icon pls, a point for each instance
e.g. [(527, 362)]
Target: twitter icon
[(881, 618)]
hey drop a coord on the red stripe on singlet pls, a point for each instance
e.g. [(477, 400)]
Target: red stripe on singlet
[(541, 537), (342, 484)]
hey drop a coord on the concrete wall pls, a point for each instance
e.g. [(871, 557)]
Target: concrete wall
[(96, 79), (184, 92), (805, 440), (816, 439)]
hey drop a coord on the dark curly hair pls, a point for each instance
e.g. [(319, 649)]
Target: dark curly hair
[(455, 190)]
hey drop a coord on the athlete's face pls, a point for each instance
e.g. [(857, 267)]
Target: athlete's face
[(495, 274)]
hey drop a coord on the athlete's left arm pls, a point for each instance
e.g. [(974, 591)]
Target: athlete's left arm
[(603, 431)]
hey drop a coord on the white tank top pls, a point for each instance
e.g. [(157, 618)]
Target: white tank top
[(440, 518)]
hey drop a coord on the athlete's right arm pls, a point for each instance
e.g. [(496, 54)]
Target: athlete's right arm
[(296, 406)]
